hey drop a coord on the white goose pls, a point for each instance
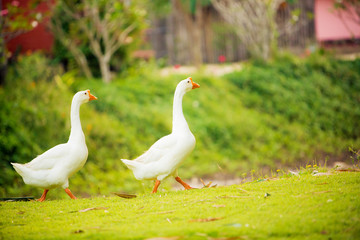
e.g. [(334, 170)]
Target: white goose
[(53, 168), (165, 155)]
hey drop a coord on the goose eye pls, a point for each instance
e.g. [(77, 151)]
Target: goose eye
[(85, 93), (188, 81)]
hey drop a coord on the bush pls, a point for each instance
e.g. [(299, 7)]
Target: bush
[(319, 92), (281, 113)]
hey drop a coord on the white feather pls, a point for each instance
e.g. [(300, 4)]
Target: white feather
[(53, 168), (165, 155)]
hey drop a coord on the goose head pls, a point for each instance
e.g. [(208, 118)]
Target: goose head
[(84, 96), (188, 84)]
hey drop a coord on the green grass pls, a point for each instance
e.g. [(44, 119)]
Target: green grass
[(299, 207)]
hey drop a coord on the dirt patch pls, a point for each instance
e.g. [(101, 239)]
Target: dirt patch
[(208, 69), (341, 162)]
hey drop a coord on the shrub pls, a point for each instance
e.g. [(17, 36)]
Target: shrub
[(286, 112), (319, 92)]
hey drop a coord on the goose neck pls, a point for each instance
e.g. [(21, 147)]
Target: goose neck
[(179, 122), (76, 130)]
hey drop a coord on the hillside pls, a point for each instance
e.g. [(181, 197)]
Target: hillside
[(288, 112)]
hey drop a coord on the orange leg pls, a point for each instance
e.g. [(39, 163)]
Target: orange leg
[(186, 186), (70, 194), (43, 196), (157, 183)]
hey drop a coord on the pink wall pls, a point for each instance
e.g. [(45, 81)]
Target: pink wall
[(328, 26)]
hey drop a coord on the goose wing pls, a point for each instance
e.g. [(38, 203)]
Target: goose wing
[(50, 158), (159, 149)]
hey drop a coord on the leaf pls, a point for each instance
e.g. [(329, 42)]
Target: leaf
[(262, 180), (315, 173), (236, 225), (225, 196), (163, 238), (267, 195), (321, 192), (226, 238), (294, 173), (221, 238), (166, 212), (209, 219), (348, 170), (322, 183), (219, 206), (125, 195), (207, 185), (243, 190), (157, 213), (93, 208)]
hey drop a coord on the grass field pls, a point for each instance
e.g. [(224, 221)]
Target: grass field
[(300, 206)]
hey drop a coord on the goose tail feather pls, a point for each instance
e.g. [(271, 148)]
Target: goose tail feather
[(132, 165), (19, 168)]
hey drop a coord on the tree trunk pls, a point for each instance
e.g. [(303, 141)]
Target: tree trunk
[(3, 58), (254, 22), (81, 60), (3, 71), (170, 48), (197, 35), (67, 41), (104, 63), (3, 63), (196, 46), (193, 24), (182, 39), (208, 37)]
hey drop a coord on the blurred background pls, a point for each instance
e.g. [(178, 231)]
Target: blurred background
[(280, 85)]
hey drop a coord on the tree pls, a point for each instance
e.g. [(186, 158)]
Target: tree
[(15, 20), (192, 15), (70, 42), (254, 23), (107, 25)]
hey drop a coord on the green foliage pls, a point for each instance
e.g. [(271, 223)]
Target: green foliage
[(190, 5), (28, 125), (270, 114), (297, 207), (320, 92), (158, 8), (17, 19), (115, 16)]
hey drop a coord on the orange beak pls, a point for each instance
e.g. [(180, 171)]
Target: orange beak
[(194, 84), (91, 97)]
